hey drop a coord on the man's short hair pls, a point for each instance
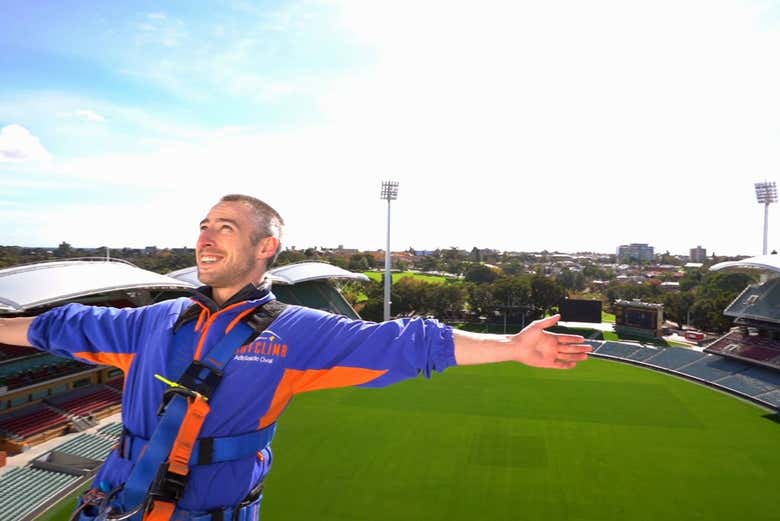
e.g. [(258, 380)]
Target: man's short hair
[(269, 222)]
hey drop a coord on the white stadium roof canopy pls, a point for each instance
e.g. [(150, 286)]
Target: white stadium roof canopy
[(767, 263), (34, 285), (288, 274)]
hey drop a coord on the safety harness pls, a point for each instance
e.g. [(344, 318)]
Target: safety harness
[(162, 463)]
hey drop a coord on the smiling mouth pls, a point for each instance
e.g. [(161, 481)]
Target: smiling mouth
[(207, 260)]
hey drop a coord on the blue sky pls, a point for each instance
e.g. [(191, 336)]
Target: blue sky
[(516, 125)]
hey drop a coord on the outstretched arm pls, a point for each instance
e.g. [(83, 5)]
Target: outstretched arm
[(13, 331), (532, 346)]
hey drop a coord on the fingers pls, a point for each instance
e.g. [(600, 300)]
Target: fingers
[(574, 349), (572, 357), (569, 339), (547, 322)]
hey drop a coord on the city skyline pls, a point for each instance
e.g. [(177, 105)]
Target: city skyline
[(516, 126)]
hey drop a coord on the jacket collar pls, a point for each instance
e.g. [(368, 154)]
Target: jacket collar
[(251, 291)]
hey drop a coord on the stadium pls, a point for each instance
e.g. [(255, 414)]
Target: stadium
[(635, 433)]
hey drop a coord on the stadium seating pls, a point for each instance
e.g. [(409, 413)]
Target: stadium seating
[(642, 353), (31, 370), (8, 352), (674, 358), (25, 489), (112, 429), (117, 383), (712, 368), (746, 384), (31, 421), (738, 344), (88, 446), (764, 374), (617, 349), (88, 402), (762, 384), (772, 397)]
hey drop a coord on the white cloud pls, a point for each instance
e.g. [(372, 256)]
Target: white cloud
[(157, 29), (517, 125), (84, 115), (89, 115), (17, 144)]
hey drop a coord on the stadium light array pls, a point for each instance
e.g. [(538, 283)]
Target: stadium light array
[(766, 194), (389, 193)]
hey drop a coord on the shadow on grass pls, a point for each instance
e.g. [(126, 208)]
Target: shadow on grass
[(775, 417)]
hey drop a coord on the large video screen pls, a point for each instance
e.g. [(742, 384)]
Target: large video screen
[(642, 318), (573, 310)]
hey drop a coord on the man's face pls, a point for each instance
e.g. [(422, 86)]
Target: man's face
[(227, 260)]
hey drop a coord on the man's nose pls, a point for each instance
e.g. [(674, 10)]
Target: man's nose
[(205, 239)]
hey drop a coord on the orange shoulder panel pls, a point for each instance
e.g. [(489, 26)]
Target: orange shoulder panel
[(296, 381), (121, 360)]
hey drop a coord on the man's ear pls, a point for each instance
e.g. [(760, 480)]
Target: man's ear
[(267, 248)]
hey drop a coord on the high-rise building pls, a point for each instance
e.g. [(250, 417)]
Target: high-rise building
[(635, 251), (698, 254)]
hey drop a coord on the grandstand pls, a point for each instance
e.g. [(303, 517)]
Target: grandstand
[(30, 489), (73, 400), (745, 361), (756, 384), (756, 312), (93, 401), (44, 396)]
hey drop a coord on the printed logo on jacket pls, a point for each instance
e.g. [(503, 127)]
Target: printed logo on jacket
[(264, 349)]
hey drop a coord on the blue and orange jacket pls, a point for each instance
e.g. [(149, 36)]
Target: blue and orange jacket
[(302, 350)]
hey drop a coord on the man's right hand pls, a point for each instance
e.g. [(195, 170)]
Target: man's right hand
[(13, 331)]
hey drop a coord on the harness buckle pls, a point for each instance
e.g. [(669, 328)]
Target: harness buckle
[(195, 379), (169, 394), (168, 486)]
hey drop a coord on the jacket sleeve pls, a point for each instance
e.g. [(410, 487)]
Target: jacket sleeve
[(99, 335), (337, 351)]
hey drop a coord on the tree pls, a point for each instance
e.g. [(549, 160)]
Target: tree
[(691, 279), (545, 293), (677, 305), (401, 265), (429, 263), (63, 250), (360, 262), (479, 273), (596, 272), (446, 300), (410, 296), (513, 267), (571, 280), (480, 298)]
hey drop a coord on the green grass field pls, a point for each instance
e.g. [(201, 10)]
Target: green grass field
[(436, 279), (607, 441)]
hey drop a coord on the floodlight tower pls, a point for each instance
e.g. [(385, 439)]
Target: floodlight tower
[(389, 193), (766, 193)]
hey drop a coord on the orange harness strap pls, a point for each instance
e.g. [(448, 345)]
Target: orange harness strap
[(181, 453), (161, 511)]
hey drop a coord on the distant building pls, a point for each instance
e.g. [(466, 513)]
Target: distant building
[(635, 251), (698, 254)]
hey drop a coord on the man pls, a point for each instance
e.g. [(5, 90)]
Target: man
[(206, 455)]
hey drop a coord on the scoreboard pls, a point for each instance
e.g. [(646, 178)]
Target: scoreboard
[(641, 317), (574, 310)]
